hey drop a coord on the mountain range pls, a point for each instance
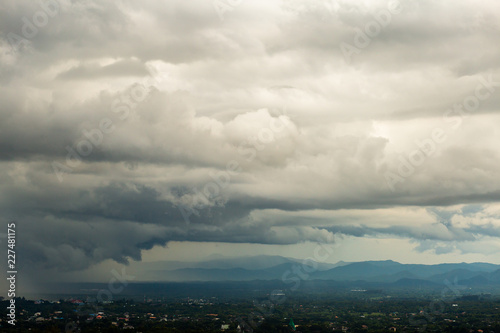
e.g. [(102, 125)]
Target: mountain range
[(281, 268)]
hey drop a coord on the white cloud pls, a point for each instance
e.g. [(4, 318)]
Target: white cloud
[(313, 136)]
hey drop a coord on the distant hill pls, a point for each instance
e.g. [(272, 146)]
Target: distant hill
[(220, 262), (386, 272), (414, 283)]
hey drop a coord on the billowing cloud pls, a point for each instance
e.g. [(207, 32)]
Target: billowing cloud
[(126, 126)]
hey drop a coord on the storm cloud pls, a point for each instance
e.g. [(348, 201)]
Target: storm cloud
[(129, 125)]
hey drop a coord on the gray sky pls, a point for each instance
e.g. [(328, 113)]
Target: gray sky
[(180, 129)]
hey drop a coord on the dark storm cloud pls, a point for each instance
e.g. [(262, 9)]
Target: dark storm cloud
[(254, 129)]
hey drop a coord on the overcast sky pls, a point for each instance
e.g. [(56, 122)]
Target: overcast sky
[(180, 129)]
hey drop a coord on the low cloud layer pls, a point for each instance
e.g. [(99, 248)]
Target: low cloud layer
[(125, 126)]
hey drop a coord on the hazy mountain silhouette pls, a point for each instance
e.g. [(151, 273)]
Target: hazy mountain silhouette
[(280, 268)]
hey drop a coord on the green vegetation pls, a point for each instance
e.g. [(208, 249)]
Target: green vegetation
[(353, 312)]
